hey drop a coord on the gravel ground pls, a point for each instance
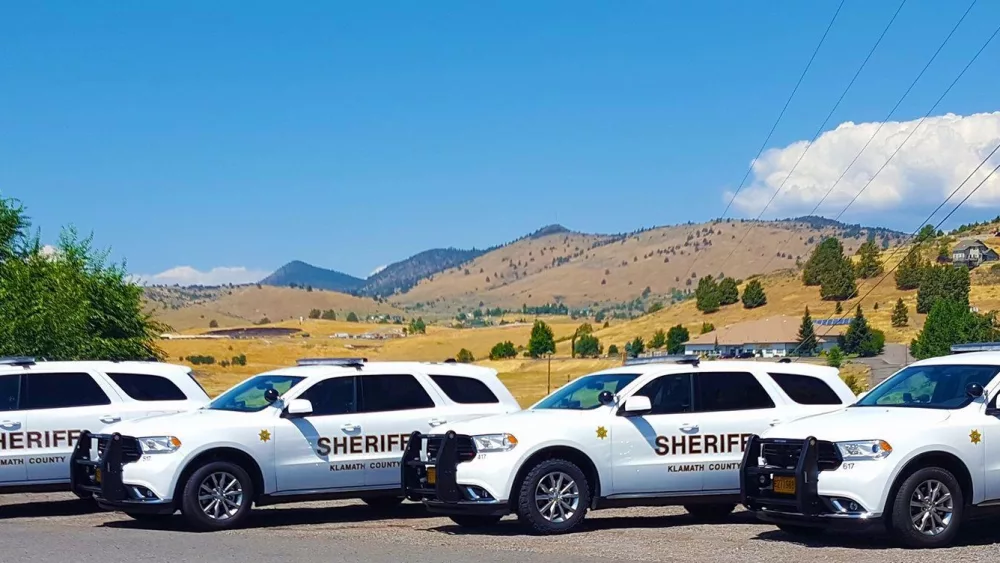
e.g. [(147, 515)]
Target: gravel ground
[(57, 527)]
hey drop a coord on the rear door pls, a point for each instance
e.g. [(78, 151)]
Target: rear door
[(59, 407), (13, 464), (729, 407)]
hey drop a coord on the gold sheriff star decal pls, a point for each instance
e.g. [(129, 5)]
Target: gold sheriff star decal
[(975, 436), (602, 432), (265, 435)]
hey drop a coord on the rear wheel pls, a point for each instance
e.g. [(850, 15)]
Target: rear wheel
[(383, 503), (710, 512), (217, 496), (467, 521), (554, 497), (928, 509)]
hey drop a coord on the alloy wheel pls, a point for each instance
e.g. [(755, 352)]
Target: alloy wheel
[(557, 497)]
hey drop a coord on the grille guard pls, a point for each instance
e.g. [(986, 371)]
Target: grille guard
[(83, 469), (756, 479), (414, 470)]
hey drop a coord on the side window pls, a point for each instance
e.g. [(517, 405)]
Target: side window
[(147, 387), (465, 390), (806, 390), (668, 394), (10, 392), (382, 393), (63, 390), (333, 396), (729, 391)]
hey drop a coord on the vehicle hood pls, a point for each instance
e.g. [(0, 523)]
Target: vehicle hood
[(179, 424), (859, 423), (534, 421)]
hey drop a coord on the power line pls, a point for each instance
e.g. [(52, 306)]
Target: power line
[(820, 129), (884, 121), (924, 222), (781, 114)]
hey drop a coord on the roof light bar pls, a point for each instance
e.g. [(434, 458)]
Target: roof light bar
[(351, 362), (664, 359), (17, 361)]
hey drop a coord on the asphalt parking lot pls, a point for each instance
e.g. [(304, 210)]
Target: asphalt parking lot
[(57, 528)]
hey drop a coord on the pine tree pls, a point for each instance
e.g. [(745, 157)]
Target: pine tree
[(909, 271), (753, 295), (839, 308), (822, 259), (900, 316), (870, 263), (860, 338), (837, 282), (729, 292), (807, 336), (676, 337), (707, 295), (659, 339), (950, 322), (541, 341)]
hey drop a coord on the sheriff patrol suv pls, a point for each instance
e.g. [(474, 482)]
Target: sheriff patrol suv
[(655, 433), (45, 406), (915, 456), (325, 429)]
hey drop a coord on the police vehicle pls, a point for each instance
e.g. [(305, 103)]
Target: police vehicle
[(915, 457), (324, 429), (45, 406), (665, 432)]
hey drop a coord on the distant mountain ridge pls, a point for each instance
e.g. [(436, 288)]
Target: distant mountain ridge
[(299, 273)]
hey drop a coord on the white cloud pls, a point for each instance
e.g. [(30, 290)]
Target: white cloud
[(941, 153), (186, 275), (49, 250), (377, 270)]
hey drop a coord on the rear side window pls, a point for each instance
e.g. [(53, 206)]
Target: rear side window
[(465, 390), (147, 387), (806, 390), (383, 393), (63, 390), (729, 391), (10, 392)]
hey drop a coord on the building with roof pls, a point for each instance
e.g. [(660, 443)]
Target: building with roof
[(972, 252), (773, 337)]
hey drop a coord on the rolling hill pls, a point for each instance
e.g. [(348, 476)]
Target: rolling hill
[(298, 273)]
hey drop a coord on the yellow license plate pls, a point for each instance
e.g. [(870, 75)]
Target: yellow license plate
[(431, 475), (97, 475), (784, 485)]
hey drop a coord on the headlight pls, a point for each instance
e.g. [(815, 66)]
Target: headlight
[(864, 449), (494, 442), (159, 444)]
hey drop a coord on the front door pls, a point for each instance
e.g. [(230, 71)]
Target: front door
[(392, 407), (13, 467), (655, 452), (60, 406), (315, 452), (730, 407)]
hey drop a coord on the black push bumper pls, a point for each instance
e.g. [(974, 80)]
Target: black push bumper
[(101, 475), (796, 466), (430, 475)]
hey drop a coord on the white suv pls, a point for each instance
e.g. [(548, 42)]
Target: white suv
[(325, 429), (654, 434), (46, 406)]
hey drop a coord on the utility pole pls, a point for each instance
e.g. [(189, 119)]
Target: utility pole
[(548, 385)]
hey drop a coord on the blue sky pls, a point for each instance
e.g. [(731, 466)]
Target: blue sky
[(244, 134)]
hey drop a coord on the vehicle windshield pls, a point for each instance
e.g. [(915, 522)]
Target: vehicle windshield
[(249, 395), (929, 387), (582, 394)]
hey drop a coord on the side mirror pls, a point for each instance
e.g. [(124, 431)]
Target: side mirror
[(974, 390), (271, 395), (606, 398), (637, 405), (299, 407)]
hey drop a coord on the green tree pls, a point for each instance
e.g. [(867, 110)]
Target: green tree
[(753, 295), (926, 233), (656, 306), (900, 315), (315, 314), (588, 346), (909, 270), (676, 337), (541, 341), (707, 295), (417, 325), (613, 350), (729, 292), (951, 322), (860, 338), (807, 336), (503, 350), (834, 358), (707, 328), (870, 261), (582, 330), (635, 347), (824, 257), (213, 324), (837, 281), (329, 315), (943, 282), (465, 357), (838, 308), (659, 339), (352, 318)]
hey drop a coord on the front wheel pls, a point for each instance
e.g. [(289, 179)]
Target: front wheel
[(710, 512), (928, 509), (217, 496), (467, 521), (554, 497)]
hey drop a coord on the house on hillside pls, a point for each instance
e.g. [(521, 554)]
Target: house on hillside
[(972, 252), (773, 337)]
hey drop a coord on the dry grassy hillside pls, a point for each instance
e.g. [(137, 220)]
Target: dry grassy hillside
[(244, 305), (587, 270)]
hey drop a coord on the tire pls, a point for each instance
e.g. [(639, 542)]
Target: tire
[(467, 521), (801, 531), (208, 515), (540, 480), (943, 509), (383, 503), (710, 512)]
